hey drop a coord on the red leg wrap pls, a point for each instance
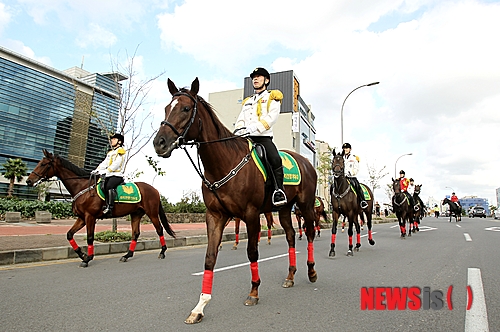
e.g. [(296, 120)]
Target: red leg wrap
[(300, 231), (237, 238), (90, 250), (334, 237), (358, 238), (254, 268), (310, 252), (73, 244), (292, 257), (208, 279), (162, 241), (269, 233), (350, 240), (369, 235), (132, 245)]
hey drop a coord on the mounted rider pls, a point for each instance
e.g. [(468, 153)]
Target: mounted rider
[(258, 115), (455, 200), (351, 165), (403, 185), (111, 168)]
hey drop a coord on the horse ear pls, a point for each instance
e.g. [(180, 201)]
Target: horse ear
[(333, 152), (195, 87), (46, 153), (171, 87)]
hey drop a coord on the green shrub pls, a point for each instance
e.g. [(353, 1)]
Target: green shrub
[(110, 236), (59, 210)]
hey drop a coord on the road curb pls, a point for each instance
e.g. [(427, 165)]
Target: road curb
[(13, 257)]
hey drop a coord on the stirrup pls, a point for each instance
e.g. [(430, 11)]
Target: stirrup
[(415, 208), (363, 204), (279, 197)]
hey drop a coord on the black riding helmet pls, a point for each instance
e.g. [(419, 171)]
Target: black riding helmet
[(118, 136), (346, 146), (402, 172), (261, 71)]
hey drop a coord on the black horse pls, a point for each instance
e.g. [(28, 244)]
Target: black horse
[(419, 214), (455, 210), (402, 207)]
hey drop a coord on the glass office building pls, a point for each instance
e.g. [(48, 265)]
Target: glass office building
[(70, 113)]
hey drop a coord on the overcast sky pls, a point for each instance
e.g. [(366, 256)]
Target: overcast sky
[(437, 63)]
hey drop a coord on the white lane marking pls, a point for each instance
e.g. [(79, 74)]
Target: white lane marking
[(367, 234), (494, 229), (395, 226), (458, 226), (243, 264), (467, 237), (476, 319), (426, 228)]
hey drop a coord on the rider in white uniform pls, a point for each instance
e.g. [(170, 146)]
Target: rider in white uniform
[(351, 164)]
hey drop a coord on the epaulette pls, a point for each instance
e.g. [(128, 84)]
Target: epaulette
[(121, 150)]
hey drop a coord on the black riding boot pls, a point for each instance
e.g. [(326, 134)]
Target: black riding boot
[(359, 192), (279, 197), (110, 203)]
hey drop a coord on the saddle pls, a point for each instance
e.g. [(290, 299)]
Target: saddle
[(125, 192), (291, 171)]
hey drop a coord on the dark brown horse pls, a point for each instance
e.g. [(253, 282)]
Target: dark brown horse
[(319, 210), (402, 207), (87, 205), (345, 201), (237, 222), (419, 214), (455, 210), (232, 186)]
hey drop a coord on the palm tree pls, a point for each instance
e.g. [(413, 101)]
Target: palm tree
[(14, 169)]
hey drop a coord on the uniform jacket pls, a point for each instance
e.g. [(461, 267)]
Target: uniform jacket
[(411, 189), (454, 199), (114, 163), (403, 184), (351, 163), (262, 110)]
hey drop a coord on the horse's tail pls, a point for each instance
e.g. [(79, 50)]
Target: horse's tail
[(165, 223), (325, 215)]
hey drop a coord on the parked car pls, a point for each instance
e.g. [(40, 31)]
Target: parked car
[(496, 214), (477, 211)]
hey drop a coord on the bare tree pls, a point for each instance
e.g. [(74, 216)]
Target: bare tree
[(325, 171), (375, 176)]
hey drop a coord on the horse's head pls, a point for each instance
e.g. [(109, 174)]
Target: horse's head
[(418, 188), (395, 186), (43, 171), (180, 114), (337, 164)]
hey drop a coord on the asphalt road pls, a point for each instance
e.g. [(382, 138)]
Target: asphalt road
[(157, 295)]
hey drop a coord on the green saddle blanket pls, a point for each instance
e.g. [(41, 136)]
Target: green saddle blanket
[(317, 203), (366, 193), (125, 193), (291, 170)]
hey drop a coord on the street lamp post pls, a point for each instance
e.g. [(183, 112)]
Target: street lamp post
[(342, 112), (452, 190), (396, 163)]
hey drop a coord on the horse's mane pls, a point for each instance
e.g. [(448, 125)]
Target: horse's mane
[(72, 167), (222, 131)]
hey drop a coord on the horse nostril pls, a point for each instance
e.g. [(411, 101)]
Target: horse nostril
[(161, 141)]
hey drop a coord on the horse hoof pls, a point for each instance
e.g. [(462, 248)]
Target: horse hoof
[(319, 234), (331, 254), (251, 301), (350, 253), (342, 230), (161, 256), (357, 249), (269, 242), (123, 259), (372, 242), (288, 283), (84, 264), (194, 318), (235, 247), (300, 237), (314, 277)]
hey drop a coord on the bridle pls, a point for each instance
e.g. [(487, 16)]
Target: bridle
[(43, 177), (338, 171), (180, 141)]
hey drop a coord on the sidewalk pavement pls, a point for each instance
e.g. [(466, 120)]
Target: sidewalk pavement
[(28, 241)]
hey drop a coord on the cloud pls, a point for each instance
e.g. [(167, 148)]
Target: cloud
[(96, 36), (5, 17)]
